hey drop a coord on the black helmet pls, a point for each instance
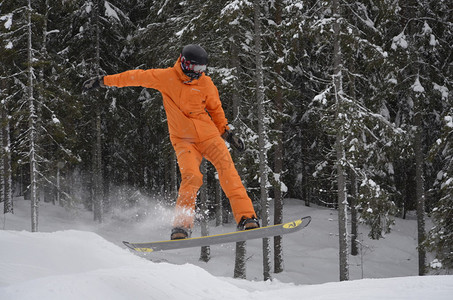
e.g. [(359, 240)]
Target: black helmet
[(194, 60)]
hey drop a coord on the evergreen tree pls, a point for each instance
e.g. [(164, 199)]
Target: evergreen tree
[(419, 49), (20, 71), (6, 52), (440, 236)]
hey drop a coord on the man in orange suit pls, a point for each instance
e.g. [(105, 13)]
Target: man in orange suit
[(198, 128)]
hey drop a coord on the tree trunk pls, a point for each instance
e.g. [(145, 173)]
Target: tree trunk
[(2, 154), (174, 177), (240, 261), (342, 212), (262, 139), (5, 156), (7, 171), (354, 221), (40, 103), (241, 251), (278, 155), (236, 65), (420, 192), (97, 163), (205, 254), (218, 204), (341, 180), (32, 130), (97, 171), (354, 187)]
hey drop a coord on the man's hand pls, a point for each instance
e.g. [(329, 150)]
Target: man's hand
[(233, 140), (93, 83)]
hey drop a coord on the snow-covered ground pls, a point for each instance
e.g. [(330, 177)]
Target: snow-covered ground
[(74, 258)]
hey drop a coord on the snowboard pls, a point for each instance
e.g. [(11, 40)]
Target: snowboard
[(223, 238)]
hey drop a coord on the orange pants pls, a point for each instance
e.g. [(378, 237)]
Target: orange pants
[(189, 157)]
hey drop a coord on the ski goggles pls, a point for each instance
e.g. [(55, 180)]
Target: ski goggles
[(187, 65)]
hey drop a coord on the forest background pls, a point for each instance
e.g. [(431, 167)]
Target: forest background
[(345, 104)]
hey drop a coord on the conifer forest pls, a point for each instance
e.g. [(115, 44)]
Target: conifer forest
[(340, 103)]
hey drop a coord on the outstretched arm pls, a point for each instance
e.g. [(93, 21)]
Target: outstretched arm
[(145, 78)]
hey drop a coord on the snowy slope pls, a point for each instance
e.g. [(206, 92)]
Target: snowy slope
[(82, 265), (310, 256), (77, 259)]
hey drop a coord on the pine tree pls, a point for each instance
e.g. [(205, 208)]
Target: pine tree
[(5, 144), (420, 49), (373, 137), (440, 236), (21, 71), (97, 43)]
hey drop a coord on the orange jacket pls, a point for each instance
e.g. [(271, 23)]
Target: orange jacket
[(194, 111)]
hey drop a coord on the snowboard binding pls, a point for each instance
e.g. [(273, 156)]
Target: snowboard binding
[(248, 223)]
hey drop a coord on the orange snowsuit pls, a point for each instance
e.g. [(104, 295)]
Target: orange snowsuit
[(196, 122)]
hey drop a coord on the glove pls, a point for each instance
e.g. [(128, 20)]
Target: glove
[(233, 140), (93, 83)]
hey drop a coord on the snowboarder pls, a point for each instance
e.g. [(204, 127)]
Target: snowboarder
[(197, 127)]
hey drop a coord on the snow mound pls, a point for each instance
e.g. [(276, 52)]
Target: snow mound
[(82, 265)]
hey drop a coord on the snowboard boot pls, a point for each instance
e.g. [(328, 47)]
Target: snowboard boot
[(179, 233), (248, 223)]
